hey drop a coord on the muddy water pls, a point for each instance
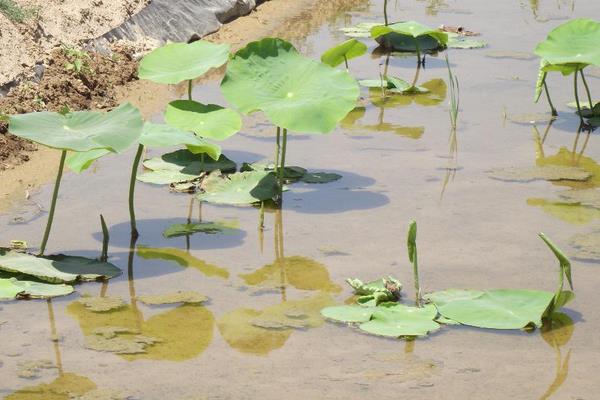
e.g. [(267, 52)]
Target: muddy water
[(260, 334)]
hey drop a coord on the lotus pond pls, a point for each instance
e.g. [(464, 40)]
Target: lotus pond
[(212, 298)]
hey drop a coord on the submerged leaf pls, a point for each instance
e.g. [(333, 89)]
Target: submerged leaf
[(343, 52), (173, 298), (239, 188), (294, 92), (587, 245), (101, 304), (208, 121), (81, 130), (177, 62), (547, 172), (12, 288), (494, 309)]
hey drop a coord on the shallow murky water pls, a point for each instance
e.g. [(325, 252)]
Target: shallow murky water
[(260, 335)]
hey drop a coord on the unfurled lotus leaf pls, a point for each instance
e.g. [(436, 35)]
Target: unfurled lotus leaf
[(55, 269), (494, 309), (177, 62), (182, 166), (153, 135), (208, 121), (114, 131), (409, 36), (239, 188), (11, 289), (573, 44), (294, 92), (343, 52)]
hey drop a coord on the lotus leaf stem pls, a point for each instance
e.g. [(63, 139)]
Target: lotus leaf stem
[(261, 223), (554, 113), (282, 167), (346, 62), (105, 239), (190, 89), (587, 89), (385, 14), (134, 169), (413, 257), (277, 149), (577, 97), (61, 167)]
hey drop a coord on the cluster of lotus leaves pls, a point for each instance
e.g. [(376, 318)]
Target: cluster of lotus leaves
[(294, 92)]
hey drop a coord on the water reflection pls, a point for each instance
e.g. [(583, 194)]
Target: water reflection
[(259, 332), (557, 333)]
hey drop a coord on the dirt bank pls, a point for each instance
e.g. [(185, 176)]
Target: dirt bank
[(110, 80)]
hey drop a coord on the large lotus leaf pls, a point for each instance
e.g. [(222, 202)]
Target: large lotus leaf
[(88, 269), (494, 309), (294, 92), (348, 314), (344, 51), (81, 130), (400, 320), (162, 135), (300, 272), (183, 259), (210, 121), (223, 227), (12, 288), (574, 43), (412, 29), (239, 188), (182, 166), (178, 62)]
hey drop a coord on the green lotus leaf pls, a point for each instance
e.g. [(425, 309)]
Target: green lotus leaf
[(12, 288), (574, 43), (362, 30), (394, 85), (210, 228), (182, 166), (55, 269), (295, 173), (239, 188), (493, 309), (82, 160), (294, 92), (584, 104), (436, 93), (456, 41), (209, 121), (403, 45), (81, 130), (320, 177), (400, 320), (409, 36), (541, 79), (162, 135), (565, 69), (344, 51), (376, 83), (177, 62), (348, 313)]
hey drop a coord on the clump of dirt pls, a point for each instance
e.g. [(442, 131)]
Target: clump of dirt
[(73, 78)]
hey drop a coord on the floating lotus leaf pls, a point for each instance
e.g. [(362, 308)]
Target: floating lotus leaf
[(494, 309), (173, 298), (182, 166), (12, 288), (81, 130), (295, 173), (344, 51), (513, 55), (549, 173), (400, 320), (574, 43), (239, 188), (178, 62), (394, 85), (55, 269), (362, 30), (409, 36), (348, 314), (206, 120), (583, 104), (456, 41), (435, 95), (564, 158), (320, 177), (294, 92), (101, 303), (300, 272), (210, 228), (182, 258), (532, 118), (585, 197), (573, 213)]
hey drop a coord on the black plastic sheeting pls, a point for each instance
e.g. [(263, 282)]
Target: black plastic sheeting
[(180, 20)]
